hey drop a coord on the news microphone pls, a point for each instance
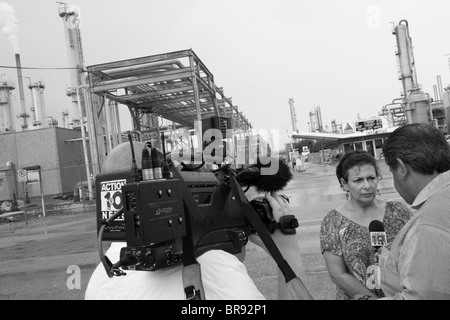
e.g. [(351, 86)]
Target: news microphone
[(377, 234), (260, 176), (377, 240)]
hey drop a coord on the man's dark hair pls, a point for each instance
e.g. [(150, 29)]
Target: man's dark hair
[(352, 159), (419, 145)]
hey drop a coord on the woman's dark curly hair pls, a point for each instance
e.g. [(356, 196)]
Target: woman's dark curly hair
[(352, 159)]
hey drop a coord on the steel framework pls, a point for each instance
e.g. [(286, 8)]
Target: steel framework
[(176, 86)]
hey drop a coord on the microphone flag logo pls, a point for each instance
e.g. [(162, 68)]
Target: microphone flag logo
[(378, 239)]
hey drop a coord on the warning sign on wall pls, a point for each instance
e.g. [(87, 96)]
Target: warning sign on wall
[(22, 175), (111, 198)]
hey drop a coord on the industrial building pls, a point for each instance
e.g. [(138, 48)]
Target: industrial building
[(48, 161)]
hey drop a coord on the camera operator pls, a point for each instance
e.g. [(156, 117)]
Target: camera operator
[(223, 275)]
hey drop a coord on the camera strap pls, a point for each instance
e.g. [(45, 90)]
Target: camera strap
[(191, 272), (295, 286)]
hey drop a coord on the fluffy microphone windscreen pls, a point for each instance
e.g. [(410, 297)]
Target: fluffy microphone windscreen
[(276, 181)]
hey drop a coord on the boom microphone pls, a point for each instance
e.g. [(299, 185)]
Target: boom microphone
[(377, 234), (263, 178)]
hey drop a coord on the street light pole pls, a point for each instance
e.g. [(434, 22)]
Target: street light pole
[(83, 137), (42, 193)]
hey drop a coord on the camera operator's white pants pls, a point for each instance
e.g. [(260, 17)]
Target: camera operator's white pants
[(224, 277)]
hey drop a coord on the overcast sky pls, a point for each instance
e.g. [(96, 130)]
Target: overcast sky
[(333, 53)]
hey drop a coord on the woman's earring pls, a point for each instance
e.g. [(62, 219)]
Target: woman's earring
[(378, 192), (346, 194)]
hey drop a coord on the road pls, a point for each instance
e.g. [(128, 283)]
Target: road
[(53, 258)]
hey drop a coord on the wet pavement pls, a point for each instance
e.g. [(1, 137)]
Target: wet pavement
[(40, 260)]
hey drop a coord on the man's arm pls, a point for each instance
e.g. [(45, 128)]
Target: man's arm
[(286, 243), (424, 265)]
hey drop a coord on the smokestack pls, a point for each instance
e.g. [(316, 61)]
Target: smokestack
[(23, 115), (435, 93), (439, 89)]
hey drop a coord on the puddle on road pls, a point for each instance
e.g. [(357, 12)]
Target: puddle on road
[(45, 229)]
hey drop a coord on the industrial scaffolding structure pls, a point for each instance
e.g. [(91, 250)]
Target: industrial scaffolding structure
[(176, 86)]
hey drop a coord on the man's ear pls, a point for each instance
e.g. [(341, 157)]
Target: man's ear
[(402, 168)]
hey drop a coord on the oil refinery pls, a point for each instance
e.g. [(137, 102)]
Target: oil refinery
[(414, 106), (41, 158)]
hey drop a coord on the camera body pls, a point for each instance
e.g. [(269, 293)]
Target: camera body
[(154, 220), (154, 224)]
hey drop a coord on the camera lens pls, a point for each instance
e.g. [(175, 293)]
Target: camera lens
[(150, 259)]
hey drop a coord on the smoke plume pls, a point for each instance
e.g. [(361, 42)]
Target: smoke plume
[(8, 25)]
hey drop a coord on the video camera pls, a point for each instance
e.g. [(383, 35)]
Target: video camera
[(158, 215)]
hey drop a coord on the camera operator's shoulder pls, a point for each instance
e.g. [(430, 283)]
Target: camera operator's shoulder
[(216, 257), (224, 277)]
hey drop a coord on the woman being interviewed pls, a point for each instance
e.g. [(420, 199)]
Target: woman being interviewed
[(344, 236)]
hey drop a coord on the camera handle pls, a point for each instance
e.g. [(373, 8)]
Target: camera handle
[(295, 286)]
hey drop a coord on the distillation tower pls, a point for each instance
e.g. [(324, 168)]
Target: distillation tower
[(416, 103), (70, 17), (293, 115), (315, 118), (6, 115), (38, 114)]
